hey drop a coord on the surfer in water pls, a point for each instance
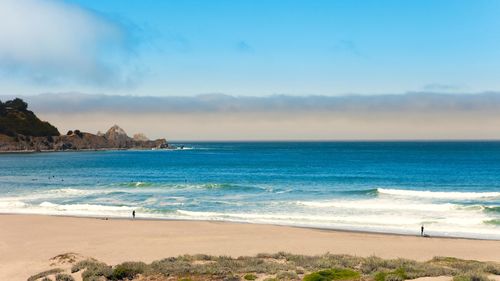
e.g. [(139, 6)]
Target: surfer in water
[(422, 230), (133, 214)]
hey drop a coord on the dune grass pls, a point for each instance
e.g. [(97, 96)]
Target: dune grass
[(43, 275), (282, 266)]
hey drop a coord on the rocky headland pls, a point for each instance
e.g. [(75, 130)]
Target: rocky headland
[(22, 130)]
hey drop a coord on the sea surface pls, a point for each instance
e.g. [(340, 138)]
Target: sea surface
[(452, 188)]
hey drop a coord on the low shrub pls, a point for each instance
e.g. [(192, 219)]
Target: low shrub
[(462, 266), (96, 271), (492, 268), (128, 270), (250, 276), (395, 275), (83, 264), (64, 277), (333, 274), (372, 264), (471, 276)]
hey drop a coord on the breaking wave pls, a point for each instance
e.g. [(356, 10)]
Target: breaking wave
[(378, 205), (439, 194), (85, 207), (185, 185)]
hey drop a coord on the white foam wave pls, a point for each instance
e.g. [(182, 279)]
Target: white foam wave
[(309, 219), (53, 194), (72, 192), (455, 224), (49, 208), (379, 204), (85, 207), (12, 204), (284, 191), (438, 194)]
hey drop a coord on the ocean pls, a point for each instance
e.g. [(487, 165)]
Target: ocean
[(452, 188)]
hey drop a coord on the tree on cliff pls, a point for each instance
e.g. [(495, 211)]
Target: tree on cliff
[(17, 104), (2, 108)]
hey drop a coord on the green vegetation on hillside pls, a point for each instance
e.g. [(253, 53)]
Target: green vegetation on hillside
[(15, 119)]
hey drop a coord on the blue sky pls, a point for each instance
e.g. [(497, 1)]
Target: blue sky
[(256, 48)]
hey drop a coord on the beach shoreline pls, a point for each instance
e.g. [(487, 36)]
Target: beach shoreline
[(27, 242), (333, 229)]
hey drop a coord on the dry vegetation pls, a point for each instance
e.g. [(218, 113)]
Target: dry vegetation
[(269, 267)]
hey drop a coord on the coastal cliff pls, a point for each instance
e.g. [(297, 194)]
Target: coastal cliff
[(22, 130)]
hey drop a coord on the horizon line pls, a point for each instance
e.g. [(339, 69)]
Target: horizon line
[(335, 140)]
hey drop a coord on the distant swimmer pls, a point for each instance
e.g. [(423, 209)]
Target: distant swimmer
[(133, 214), (422, 230)]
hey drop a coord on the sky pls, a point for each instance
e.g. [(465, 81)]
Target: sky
[(249, 47), (257, 69)]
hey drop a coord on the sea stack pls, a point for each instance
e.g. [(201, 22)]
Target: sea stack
[(118, 137)]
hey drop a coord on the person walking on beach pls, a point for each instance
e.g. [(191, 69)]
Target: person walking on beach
[(422, 230), (133, 214)]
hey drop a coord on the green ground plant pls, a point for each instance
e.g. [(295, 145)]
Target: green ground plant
[(340, 274), (250, 276)]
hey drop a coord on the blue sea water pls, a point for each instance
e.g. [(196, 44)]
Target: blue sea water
[(453, 188)]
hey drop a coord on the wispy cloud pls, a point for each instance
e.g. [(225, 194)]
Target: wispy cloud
[(440, 87), (347, 46), (54, 42), (244, 47)]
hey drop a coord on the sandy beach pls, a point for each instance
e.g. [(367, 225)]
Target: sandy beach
[(27, 242)]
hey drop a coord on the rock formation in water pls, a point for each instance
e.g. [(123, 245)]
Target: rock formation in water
[(21, 130), (140, 137), (117, 137)]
